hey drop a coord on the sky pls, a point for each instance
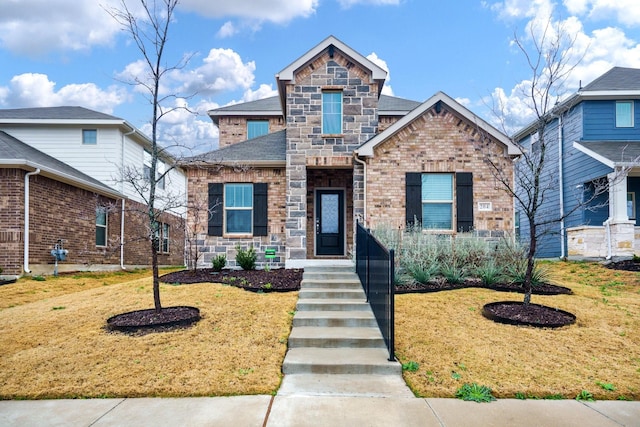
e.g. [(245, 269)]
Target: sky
[(72, 52)]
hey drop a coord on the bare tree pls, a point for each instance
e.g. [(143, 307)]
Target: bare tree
[(150, 33), (551, 59)]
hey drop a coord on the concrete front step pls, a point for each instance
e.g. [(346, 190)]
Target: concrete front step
[(333, 337), (310, 304), (343, 385), (332, 293), (357, 319), (340, 361), (331, 283), (319, 269)]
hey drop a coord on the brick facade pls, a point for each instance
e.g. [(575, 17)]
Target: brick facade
[(210, 246), (61, 211), (234, 129), (436, 142)]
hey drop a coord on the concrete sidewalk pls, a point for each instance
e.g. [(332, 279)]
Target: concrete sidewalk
[(280, 411)]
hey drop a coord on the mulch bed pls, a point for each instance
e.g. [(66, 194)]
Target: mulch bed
[(627, 265), (275, 280), (441, 285), (517, 313), (142, 322)]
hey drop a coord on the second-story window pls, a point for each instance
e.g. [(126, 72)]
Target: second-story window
[(624, 114), (332, 112), (146, 168), (90, 136), (256, 128)]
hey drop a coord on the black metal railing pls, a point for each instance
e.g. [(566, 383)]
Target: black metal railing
[(375, 268)]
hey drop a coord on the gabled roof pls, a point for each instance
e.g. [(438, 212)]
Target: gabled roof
[(270, 107), (287, 74), (265, 150), (16, 154), (367, 149)]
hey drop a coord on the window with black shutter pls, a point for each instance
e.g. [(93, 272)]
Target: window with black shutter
[(238, 208), (464, 201)]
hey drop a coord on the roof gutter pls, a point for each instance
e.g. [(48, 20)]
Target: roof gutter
[(26, 219)]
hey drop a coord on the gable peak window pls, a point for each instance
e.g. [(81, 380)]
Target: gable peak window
[(89, 136), (332, 112), (624, 114), (256, 128)]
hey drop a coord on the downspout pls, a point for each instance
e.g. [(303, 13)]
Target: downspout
[(607, 227), (561, 188), (364, 185), (122, 267), (26, 219)]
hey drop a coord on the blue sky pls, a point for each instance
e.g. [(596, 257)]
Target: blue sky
[(71, 52)]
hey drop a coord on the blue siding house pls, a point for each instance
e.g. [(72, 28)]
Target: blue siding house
[(593, 139)]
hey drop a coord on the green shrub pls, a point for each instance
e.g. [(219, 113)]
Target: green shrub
[(489, 273), (246, 259), (423, 273), (474, 392), (453, 273), (517, 271), (219, 262), (411, 366)]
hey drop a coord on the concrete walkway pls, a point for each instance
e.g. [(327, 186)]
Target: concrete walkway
[(308, 411)]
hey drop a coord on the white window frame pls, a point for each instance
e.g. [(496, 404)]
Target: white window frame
[(164, 242), (94, 139), (443, 201), (234, 208), (633, 204), (631, 121), (104, 226), (146, 165)]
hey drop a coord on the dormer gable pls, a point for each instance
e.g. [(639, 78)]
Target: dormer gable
[(333, 48)]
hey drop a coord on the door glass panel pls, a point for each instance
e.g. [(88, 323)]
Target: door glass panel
[(329, 213)]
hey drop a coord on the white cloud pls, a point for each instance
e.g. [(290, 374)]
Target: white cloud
[(36, 90), (34, 27), (373, 57), (626, 12), (227, 30), (348, 3), (278, 11), (264, 91)]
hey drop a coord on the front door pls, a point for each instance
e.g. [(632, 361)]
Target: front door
[(330, 222)]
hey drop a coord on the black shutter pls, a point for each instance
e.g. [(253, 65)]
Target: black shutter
[(260, 207), (216, 209), (464, 201), (413, 200)]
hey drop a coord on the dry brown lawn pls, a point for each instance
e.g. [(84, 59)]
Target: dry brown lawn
[(53, 343), (453, 343)]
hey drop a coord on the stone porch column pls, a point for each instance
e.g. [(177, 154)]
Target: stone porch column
[(296, 224)]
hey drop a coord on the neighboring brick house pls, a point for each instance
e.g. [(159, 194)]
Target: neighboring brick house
[(294, 172), (592, 137), (60, 179)]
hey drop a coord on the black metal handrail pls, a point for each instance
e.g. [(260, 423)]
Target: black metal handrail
[(375, 268)]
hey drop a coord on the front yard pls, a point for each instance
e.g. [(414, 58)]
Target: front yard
[(53, 344)]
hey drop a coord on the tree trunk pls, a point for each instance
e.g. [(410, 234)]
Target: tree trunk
[(528, 287)]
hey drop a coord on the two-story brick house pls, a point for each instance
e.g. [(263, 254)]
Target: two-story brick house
[(593, 140), (63, 177), (294, 172)]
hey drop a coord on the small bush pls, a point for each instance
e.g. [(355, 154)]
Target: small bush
[(453, 273), (517, 271), (489, 273), (475, 393), (422, 273), (246, 259), (219, 262)]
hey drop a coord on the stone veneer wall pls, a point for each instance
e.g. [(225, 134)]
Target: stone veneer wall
[(436, 143), (306, 145), (329, 178), (211, 246), (233, 129)]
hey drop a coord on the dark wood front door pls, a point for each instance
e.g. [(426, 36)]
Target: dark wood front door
[(330, 222)]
